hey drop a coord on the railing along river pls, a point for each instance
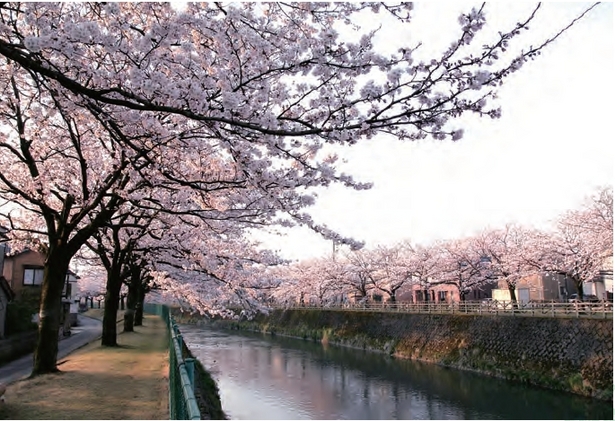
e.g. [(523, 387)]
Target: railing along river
[(182, 402), (597, 310)]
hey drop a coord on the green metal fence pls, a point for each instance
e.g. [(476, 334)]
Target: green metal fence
[(182, 403)]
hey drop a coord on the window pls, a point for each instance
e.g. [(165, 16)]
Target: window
[(442, 295), (67, 289), (33, 276)]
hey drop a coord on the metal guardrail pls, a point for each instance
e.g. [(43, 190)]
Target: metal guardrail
[(599, 310), (182, 402)]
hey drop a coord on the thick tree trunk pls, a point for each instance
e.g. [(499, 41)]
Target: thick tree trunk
[(131, 301), (139, 307), (46, 351), (579, 286), (112, 301), (513, 295)]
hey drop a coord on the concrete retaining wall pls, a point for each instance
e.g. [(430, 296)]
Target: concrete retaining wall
[(574, 355)]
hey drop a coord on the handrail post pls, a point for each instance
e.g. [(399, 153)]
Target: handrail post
[(189, 363)]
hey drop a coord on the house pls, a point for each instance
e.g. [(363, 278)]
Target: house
[(437, 292), (6, 296), (434, 293), (6, 292), (602, 285), (24, 273), (3, 247), (548, 286), (70, 296)]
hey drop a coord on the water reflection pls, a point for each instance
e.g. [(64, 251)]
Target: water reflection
[(261, 377)]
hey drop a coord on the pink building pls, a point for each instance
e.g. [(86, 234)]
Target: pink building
[(443, 293)]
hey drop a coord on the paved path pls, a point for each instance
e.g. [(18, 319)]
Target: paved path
[(88, 330)]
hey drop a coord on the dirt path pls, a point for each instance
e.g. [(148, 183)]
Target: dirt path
[(128, 382)]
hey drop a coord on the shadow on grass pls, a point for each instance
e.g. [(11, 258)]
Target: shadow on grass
[(128, 381), (118, 346), (82, 395)]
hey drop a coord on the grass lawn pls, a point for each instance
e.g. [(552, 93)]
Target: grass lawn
[(95, 382)]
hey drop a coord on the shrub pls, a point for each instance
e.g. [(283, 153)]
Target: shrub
[(18, 319), (19, 313)]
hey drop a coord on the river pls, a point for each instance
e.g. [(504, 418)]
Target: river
[(265, 377)]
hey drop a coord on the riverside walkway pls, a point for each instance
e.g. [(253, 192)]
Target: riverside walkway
[(125, 382), (88, 330)]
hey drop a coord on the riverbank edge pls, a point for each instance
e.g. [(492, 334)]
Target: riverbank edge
[(444, 340), (206, 392)]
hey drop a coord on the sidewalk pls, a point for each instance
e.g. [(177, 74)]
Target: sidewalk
[(88, 330), (127, 382)]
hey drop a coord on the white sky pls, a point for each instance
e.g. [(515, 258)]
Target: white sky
[(551, 148)]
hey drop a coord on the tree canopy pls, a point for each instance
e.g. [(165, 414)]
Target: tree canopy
[(219, 116)]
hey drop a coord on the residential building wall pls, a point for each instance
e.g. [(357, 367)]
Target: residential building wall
[(71, 296), (4, 300), (543, 287), (603, 283), (4, 297), (2, 253), (443, 293), (3, 247), (14, 267)]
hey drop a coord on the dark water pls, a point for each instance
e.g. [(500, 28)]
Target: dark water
[(264, 377)]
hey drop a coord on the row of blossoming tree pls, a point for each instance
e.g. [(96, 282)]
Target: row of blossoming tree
[(578, 246), (151, 139)]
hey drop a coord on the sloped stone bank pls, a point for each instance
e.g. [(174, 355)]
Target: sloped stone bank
[(574, 355)]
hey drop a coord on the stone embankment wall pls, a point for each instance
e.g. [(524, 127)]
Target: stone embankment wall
[(573, 355)]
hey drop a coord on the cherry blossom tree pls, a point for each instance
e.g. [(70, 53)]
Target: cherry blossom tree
[(211, 267), (424, 265), (394, 270), (362, 273), (335, 271), (116, 245), (294, 284), (61, 189), (321, 280), (91, 282), (583, 239), (139, 284), (302, 283), (460, 265), (513, 253), (237, 101)]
